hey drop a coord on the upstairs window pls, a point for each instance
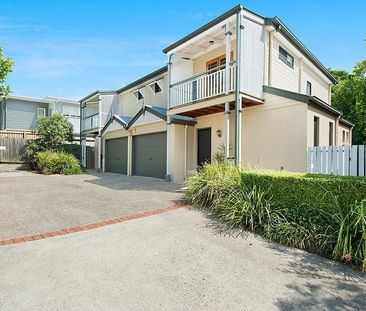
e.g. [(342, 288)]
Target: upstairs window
[(308, 88), (157, 86), (139, 94), (41, 112), (286, 57)]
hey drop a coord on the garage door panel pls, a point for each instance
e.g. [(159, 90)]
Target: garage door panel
[(149, 155), (116, 155)]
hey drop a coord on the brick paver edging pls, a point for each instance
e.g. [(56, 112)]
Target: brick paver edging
[(87, 227)]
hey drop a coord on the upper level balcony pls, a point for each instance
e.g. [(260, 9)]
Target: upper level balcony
[(218, 63), (203, 86)]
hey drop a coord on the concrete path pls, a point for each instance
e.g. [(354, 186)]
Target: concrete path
[(32, 204), (172, 261)]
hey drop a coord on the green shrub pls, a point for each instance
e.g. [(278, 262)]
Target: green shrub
[(319, 213), (49, 162)]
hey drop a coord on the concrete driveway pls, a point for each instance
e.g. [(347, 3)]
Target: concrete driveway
[(32, 204), (173, 261)]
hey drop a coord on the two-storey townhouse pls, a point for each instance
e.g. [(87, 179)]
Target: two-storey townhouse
[(20, 113), (242, 82)]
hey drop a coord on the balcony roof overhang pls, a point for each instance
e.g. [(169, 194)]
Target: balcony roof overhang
[(206, 41), (213, 25)]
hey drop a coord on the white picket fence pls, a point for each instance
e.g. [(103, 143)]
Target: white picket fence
[(337, 160)]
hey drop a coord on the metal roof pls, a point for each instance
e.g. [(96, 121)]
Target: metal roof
[(143, 79)]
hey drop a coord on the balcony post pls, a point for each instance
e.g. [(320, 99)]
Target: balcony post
[(227, 87), (168, 176), (99, 168), (168, 123), (238, 104)]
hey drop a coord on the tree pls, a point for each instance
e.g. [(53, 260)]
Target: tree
[(53, 131), (6, 66), (349, 96)]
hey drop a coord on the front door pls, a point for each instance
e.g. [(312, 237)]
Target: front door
[(204, 146)]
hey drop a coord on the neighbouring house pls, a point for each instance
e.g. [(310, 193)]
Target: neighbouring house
[(242, 82), (20, 114)]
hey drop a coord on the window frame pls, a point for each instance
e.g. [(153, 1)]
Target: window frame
[(153, 85), (309, 88), (284, 58), (316, 131), (331, 134), (43, 110), (137, 93)]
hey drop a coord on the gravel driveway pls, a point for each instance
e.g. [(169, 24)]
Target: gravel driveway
[(32, 204)]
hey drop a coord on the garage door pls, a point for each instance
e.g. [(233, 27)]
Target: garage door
[(149, 155), (116, 155)]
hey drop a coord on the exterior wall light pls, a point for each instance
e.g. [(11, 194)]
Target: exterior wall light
[(219, 133)]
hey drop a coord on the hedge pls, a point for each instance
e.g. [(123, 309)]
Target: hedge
[(49, 162), (319, 213)]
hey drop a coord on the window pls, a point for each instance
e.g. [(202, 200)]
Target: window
[(41, 112), (330, 133), (286, 57), (343, 137), (218, 62), (308, 88), (157, 86), (316, 131), (347, 138), (139, 93)]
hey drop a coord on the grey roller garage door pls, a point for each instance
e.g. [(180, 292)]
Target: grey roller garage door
[(149, 155), (116, 155)]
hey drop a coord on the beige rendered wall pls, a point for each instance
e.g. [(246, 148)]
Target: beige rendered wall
[(215, 122), (343, 128), (274, 134), (324, 120)]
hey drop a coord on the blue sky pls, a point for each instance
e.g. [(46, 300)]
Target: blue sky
[(69, 48)]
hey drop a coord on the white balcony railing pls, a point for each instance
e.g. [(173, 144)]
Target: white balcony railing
[(91, 122), (209, 84)]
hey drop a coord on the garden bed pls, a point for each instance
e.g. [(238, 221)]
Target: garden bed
[(322, 214)]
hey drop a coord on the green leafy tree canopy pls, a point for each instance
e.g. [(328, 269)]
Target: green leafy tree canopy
[(6, 66), (54, 131), (349, 96)]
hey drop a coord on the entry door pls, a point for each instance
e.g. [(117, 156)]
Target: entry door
[(204, 146)]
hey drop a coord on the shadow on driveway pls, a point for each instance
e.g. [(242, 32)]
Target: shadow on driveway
[(312, 282)]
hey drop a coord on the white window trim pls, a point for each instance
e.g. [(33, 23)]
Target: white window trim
[(141, 91), (43, 112), (160, 83)]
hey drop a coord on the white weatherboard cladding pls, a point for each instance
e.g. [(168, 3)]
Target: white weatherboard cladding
[(70, 109), (320, 87), (109, 106), (146, 118), (113, 127), (181, 69), (283, 76), (252, 58)]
